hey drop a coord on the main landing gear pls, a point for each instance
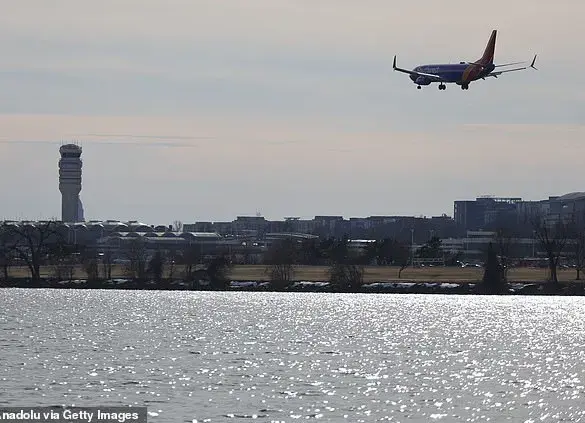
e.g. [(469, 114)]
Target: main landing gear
[(418, 87), (442, 87), (465, 86)]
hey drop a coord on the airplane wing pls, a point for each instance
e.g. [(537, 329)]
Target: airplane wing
[(495, 74), (430, 76)]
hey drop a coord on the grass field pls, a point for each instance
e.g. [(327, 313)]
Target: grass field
[(372, 273), (383, 273)]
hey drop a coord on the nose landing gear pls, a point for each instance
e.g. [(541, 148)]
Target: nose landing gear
[(442, 87)]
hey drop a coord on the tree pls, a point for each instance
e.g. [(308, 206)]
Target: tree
[(504, 239), (432, 249), (63, 261), (191, 258), (576, 246), (390, 251), (579, 249), (6, 255), (91, 267), (136, 254), (280, 259), (156, 266), (552, 238), (107, 263), (171, 260), (218, 270), (493, 281), (346, 273), (337, 250), (310, 252), (346, 277), (401, 256), (31, 243), (382, 251)]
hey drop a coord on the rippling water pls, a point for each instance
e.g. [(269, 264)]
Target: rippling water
[(208, 357)]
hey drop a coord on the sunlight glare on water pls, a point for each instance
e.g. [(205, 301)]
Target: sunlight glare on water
[(231, 356)]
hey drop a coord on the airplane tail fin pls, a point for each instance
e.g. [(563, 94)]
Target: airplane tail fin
[(488, 54)]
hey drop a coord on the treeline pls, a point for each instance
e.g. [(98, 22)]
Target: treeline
[(44, 245), (49, 255), (346, 265)]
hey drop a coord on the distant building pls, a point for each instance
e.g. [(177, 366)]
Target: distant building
[(70, 166), (567, 208), (484, 211)]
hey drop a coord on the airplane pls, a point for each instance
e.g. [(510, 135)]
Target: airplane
[(462, 73)]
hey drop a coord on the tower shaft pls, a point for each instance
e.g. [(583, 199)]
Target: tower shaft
[(70, 166)]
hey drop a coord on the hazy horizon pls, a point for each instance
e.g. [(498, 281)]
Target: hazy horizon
[(206, 110)]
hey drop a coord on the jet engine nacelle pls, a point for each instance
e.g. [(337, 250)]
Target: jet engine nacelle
[(421, 80)]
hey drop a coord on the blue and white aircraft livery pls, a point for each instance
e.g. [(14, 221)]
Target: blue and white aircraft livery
[(462, 73)]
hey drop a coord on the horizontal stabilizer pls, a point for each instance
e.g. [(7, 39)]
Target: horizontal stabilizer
[(495, 74), (509, 64)]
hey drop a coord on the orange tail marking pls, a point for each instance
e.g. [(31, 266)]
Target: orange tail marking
[(488, 54)]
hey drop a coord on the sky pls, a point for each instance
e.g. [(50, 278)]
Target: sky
[(210, 109)]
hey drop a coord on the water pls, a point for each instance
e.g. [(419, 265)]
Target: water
[(215, 357)]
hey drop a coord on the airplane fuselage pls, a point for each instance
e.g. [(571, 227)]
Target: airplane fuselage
[(460, 73)]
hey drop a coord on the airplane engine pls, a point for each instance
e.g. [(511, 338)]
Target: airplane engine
[(421, 80)]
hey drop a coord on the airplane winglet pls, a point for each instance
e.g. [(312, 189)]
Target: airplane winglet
[(532, 64), (394, 63)]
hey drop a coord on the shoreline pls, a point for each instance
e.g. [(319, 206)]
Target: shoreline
[(575, 288)]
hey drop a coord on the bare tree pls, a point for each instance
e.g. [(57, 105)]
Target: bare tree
[(577, 248), (63, 261), (156, 266), (136, 254), (346, 271), (91, 267), (191, 258), (107, 264), (88, 259), (218, 269), (503, 241), (6, 255), (401, 256), (171, 260), (553, 239), (346, 277), (280, 259), (32, 242), (390, 252)]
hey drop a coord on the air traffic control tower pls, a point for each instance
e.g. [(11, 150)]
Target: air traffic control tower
[(70, 183)]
